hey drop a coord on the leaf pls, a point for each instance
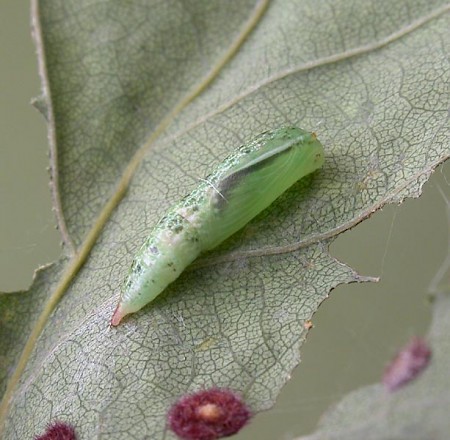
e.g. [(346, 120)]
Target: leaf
[(418, 411), (143, 99)]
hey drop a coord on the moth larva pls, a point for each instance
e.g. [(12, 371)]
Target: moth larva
[(238, 189)]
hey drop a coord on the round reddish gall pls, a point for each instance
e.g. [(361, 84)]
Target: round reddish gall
[(208, 415), (407, 364), (58, 431)]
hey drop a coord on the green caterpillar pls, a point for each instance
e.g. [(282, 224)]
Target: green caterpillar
[(237, 190)]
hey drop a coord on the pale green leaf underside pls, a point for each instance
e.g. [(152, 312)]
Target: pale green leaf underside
[(370, 77), (416, 412)]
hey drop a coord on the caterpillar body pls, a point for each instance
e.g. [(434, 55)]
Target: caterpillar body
[(238, 189)]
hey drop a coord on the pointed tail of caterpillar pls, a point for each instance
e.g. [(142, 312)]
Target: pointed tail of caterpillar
[(238, 189)]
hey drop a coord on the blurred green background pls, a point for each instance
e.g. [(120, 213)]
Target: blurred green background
[(356, 331)]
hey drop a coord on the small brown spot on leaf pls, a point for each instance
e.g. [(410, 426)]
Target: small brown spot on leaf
[(308, 324)]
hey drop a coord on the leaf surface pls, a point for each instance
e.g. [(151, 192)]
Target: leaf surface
[(417, 411), (143, 99)]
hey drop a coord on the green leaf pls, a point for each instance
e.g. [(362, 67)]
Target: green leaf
[(417, 411), (142, 99)]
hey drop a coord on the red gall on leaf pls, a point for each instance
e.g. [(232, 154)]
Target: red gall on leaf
[(208, 415), (58, 431), (407, 364)]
